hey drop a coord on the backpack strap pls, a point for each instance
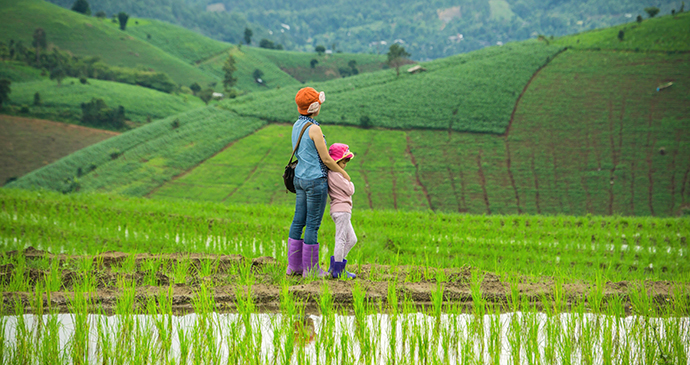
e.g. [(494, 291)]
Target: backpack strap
[(299, 140)]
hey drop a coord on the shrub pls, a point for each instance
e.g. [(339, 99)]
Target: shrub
[(313, 62), (37, 99), (175, 124), (24, 109), (621, 35), (96, 113), (365, 122), (114, 153), (83, 80)]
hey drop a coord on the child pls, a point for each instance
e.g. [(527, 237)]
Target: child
[(340, 190)]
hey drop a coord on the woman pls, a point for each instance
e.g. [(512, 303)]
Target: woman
[(311, 185)]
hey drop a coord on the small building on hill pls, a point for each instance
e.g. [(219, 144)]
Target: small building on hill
[(416, 69)]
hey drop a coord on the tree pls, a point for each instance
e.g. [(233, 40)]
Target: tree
[(101, 15), (397, 56), (353, 67), (123, 17), (265, 43), (81, 6), (257, 74), (229, 68), (39, 41), (621, 35), (652, 11), (96, 113), (639, 18), (313, 62), (5, 90), (320, 49), (195, 87), (37, 99), (206, 95), (248, 35), (58, 73)]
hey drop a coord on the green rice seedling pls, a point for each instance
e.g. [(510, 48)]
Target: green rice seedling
[(180, 270), (530, 327), (596, 294), (184, 340), (326, 300), (208, 267), (515, 339), (494, 339), (128, 265), (19, 280), (23, 351), (79, 343)]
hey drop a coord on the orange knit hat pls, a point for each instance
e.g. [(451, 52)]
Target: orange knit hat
[(309, 100)]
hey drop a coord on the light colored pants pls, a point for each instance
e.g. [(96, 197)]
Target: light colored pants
[(345, 237)]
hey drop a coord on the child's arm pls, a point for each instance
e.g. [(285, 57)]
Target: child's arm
[(343, 184)]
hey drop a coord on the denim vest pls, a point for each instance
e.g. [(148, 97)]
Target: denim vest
[(310, 166)]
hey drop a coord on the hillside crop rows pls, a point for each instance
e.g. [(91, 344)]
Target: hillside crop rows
[(468, 93), (247, 60), (64, 102), (142, 159), (245, 172)]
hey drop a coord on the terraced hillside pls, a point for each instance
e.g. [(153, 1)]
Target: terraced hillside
[(587, 132)]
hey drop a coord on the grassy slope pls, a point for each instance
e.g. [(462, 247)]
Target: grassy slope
[(142, 159), (18, 72), (298, 65), (140, 103), (471, 92), (89, 36), (668, 33)]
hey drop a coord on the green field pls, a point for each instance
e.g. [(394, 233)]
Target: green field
[(89, 36), (142, 159), (474, 92), (665, 34), (298, 64), (64, 102), (613, 282), (530, 245)]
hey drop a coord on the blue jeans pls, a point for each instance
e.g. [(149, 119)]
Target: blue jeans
[(312, 196)]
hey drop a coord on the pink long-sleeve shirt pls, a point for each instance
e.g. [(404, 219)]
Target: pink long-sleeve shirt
[(340, 190)]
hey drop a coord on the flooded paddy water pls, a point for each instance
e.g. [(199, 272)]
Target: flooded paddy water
[(412, 338), (118, 308)]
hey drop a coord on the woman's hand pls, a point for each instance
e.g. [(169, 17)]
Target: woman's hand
[(317, 136)]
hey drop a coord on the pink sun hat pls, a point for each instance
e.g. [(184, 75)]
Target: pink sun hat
[(340, 151)]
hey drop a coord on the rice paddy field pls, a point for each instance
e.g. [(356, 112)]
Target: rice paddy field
[(106, 279)]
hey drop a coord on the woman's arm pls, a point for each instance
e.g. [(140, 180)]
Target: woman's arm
[(317, 136)]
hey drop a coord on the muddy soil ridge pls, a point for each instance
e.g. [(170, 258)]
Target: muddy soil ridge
[(231, 276)]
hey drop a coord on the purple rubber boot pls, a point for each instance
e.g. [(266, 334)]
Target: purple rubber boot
[(294, 257), (310, 261), (339, 269)]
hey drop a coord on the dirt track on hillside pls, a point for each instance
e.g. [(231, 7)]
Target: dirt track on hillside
[(232, 272)]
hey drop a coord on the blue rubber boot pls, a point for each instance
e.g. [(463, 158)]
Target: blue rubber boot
[(339, 270)]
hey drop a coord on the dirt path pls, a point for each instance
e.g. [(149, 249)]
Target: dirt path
[(232, 274)]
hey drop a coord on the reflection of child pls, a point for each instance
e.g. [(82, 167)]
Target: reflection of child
[(340, 190), (304, 330)]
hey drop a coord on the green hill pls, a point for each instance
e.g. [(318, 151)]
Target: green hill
[(656, 34), (63, 103), (89, 36), (474, 92), (585, 132)]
